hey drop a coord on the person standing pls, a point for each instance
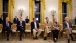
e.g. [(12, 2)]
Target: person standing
[(15, 20), (27, 20)]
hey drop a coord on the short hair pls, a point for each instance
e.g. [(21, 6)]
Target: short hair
[(66, 17), (46, 17), (34, 18)]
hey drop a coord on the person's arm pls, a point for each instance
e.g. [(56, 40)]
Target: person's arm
[(38, 25), (14, 20), (31, 27)]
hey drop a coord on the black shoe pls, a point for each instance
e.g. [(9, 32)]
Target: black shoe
[(20, 39), (7, 39), (45, 38), (34, 38), (55, 40), (68, 40), (73, 40)]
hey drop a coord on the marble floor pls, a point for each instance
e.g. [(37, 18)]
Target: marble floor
[(30, 40)]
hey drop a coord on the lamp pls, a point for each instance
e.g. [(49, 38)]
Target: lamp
[(53, 13), (21, 11)]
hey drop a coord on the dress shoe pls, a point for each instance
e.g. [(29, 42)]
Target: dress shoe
[(68, 40), (45, 38), (73, 40), (7, 39), (20, 39)]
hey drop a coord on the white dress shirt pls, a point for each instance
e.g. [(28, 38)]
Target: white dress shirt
[(35, 24), (67, 24)]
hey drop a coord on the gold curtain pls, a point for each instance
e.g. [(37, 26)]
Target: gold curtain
[(69, 2), (10, 9), (0, 7), (42, 11), (31, 8)]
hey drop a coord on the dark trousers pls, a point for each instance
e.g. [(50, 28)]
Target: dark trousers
[(55, 33), (8, 29), (22, 30)]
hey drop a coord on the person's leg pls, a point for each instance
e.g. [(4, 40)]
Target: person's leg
[(21, 32), (34, 33), (45, 34), (53, 31), (71, 35), (57, 32), (8, 32), (67, 31), (39, 32)]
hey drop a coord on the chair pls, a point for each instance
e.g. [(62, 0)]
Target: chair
[(28, 28), (14, 28), (61, 28), (1, 26)]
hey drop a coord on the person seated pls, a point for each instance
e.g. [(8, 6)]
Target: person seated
[(15, 20), (35, 29), (27, 20), (7, 27), (67, 25), (47, 27), (21, 27), (55, 29)]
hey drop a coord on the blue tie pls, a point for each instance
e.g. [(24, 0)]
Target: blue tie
[(21, 23), (7, 24)]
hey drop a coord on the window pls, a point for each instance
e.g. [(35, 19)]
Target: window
[(5, 8), (64, 10), (37, 11)]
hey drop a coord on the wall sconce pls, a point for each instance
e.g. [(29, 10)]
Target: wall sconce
[(53, 13), (21, 11)]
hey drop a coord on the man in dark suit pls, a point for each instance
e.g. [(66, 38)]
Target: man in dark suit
[(27, 20), (1, 19), (68, 28), (15, 20), (35, 29), (21, 27), (7, 27)]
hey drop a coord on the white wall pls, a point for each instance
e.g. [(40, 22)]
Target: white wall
[(74, 8), (50, 5), (21, 4)]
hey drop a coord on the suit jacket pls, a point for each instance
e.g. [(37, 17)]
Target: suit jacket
[(4, 24), (55, 24), (33, 26), (15, 20), (27, 20), (1, 20), (65, 25), (75, 20), (18, 24)]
